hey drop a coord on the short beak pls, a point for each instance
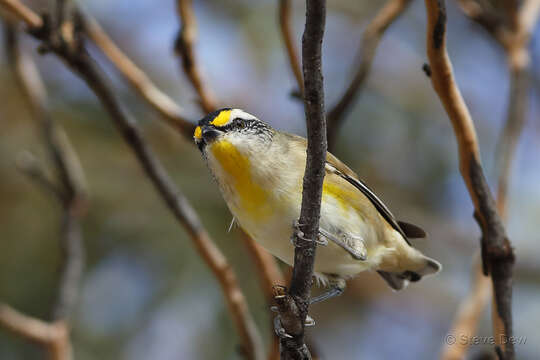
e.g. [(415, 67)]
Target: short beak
[(205, 135), (210, 133)]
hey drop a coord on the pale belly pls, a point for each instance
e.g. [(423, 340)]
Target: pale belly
[(274, 233)]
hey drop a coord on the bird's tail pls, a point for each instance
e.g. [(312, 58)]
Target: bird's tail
[(400, 280)]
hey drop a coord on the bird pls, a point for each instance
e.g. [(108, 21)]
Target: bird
[(259, 171)]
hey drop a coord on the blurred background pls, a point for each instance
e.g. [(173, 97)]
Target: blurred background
[(146, 294)]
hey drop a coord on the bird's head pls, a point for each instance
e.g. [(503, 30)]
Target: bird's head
[(233, 125)]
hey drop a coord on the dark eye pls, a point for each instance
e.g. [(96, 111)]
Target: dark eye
[(240, 123)]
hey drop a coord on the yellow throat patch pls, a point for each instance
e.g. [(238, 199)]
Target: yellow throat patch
[(237, 168)]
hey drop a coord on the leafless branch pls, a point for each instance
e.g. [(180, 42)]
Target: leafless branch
[(270, 275), (497, 253), (70, 192), (468, 315), (78, 59), (22, 12), (185, 49), (169, 110), (511, 28), (288, 40), (53, 336), (293, 306), (69, 172), (370, 41), (27, 164)]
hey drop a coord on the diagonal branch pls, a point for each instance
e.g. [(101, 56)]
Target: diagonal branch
[(184, 47), (53, 336), (175, 200), (293, 307), (169, 110), (69, 173), (78, 59), (517, 27), (370, 41), (288, 40), (497, 253), (71, 193)]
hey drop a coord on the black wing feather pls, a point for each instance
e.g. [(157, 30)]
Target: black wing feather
[(383, 210)]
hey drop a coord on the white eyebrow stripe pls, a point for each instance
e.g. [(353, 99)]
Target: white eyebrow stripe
[(239, 113)]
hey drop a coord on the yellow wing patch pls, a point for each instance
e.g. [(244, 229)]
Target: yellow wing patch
[(346, 196), (253, 198), (222, 119)]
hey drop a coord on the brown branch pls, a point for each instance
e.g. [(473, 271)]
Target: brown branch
[(28, 165), (78, 60), (176, 202), (270, 275), (71, 192), (370, 41), (516, 114), (518, 26), (497, 253), (69, 173), (468, 315), (53, 336), (293, 307), (168, 109), (288, 40), (22, 12), (184, 47)]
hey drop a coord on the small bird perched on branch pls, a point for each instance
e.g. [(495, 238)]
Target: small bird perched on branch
[(260, 170)]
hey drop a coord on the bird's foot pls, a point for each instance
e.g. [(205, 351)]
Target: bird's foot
[(280, 293), (299, 234)]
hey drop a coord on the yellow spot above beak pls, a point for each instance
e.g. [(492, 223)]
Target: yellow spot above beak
[(198, 133), (222, 119)]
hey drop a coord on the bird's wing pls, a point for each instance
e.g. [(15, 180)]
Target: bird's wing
[(336, 167)]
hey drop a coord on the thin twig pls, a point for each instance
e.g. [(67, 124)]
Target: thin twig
[(518, 27), (185, 49), (293, 307), (288, 40), (370, 41), (497, 253), (470, 309), (53, 336), (70, 192), (468, 315), (82, 64), (69, 172), (169, 110), (176, 202), (21, 11), (270, 275), (28, 165)]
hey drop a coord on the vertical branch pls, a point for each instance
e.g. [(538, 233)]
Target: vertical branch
[(69, 173), (497, 253), (293, 307), (288, 40), (71, 193), (185, 49), (511, 27), (370, 41)]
